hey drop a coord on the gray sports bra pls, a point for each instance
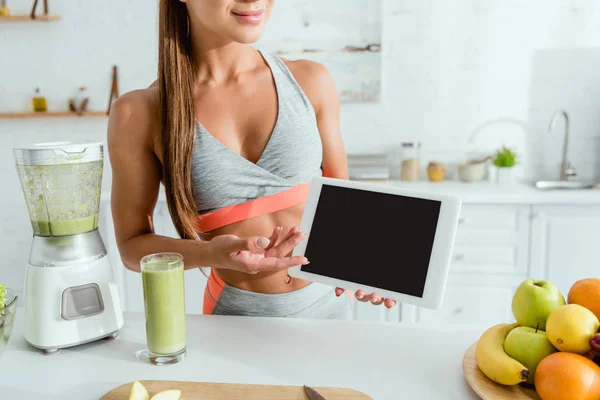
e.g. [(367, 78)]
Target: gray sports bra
[(293, 154)]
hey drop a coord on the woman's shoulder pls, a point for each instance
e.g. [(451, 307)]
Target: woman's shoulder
[(140, 103), (134, 116), (315, 80)]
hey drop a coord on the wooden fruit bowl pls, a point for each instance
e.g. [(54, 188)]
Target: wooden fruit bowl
[(488, 389)]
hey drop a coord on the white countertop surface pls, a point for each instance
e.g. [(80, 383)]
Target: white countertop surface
[(488, 193), (385, 360), (509, 193)]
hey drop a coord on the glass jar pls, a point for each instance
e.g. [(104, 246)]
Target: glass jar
[(410, 166)]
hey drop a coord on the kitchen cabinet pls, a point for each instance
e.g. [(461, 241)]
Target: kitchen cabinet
[(564, 243), (492, 239), (463, 304)]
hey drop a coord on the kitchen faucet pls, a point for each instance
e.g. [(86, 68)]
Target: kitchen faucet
[(566, 169)]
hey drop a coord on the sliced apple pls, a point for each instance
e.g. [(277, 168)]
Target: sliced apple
[(171, 394), (138, 392)]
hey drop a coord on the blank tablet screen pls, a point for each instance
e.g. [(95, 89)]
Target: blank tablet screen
[(376, 239)]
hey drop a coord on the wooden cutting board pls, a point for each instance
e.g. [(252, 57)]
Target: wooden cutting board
[(227, 391), (488, 389)]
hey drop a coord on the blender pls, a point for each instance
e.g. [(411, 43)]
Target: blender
[(70, 294)]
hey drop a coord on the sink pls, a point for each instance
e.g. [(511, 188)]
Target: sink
[(572, 185)]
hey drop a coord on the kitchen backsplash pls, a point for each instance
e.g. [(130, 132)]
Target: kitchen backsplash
[(461, 77)]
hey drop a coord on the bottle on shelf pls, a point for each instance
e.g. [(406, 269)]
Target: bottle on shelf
[(4, 10), (39, 102), (81, 100)]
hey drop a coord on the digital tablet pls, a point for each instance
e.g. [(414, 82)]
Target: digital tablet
[(378, 238)]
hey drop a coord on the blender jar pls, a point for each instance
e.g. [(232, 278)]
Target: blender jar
[(61, 184)]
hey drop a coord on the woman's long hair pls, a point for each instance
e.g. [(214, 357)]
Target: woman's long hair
[(177, 116)]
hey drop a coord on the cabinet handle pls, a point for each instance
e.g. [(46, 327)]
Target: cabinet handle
[(460, 257), (457, 311)]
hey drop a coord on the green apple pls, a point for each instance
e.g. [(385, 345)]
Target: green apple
[(533, 302), (529, 347)]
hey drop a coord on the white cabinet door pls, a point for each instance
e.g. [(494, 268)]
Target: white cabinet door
[(492, 239), (564, 244), (466, 304)]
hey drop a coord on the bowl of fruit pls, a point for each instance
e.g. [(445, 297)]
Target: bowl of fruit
[(8, 309), (551, 351)]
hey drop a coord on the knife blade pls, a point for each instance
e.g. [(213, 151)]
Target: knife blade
[(313, 394)]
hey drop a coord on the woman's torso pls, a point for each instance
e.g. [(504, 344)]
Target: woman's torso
[(255, 137)]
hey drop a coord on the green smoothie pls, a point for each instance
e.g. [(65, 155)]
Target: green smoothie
[(62, 199), (65, 228), (164, 301)]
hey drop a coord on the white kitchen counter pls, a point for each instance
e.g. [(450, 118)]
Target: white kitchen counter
[(488, 193), (510, 193), (383, 360)]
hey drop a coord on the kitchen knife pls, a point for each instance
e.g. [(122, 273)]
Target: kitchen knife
[(313, 394)]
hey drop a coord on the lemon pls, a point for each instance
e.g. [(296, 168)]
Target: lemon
[(138, 392), (167, 395), (570, 328)]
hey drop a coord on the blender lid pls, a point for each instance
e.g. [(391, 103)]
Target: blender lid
[(53, 153)]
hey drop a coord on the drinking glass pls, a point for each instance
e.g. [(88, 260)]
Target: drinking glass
[(164, 304)]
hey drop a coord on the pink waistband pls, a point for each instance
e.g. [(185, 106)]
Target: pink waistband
[(261, 206)]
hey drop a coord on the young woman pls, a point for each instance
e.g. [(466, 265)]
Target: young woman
[(235, 135)]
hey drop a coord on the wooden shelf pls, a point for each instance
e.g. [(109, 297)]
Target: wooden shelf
[(27, 18), (50, 114)]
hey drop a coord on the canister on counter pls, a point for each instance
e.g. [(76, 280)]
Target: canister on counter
[(436, 170), (409, 169)]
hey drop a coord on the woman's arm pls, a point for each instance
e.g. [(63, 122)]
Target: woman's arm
[(327, 108), (136, 177), (136, 173)]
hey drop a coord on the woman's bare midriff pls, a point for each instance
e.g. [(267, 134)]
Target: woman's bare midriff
[(262, 282)]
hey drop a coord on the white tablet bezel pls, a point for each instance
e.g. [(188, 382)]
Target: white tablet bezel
[(439, 264)]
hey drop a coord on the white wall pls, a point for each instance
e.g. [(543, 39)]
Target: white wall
[(497, 68), (461, 77)]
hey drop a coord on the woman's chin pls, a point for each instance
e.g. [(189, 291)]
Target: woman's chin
[(244, 33), (247, 37)]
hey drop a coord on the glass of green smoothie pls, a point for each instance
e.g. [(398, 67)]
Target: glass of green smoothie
[(164, 303)]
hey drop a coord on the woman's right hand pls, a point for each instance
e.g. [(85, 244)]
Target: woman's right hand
[(257, 253)]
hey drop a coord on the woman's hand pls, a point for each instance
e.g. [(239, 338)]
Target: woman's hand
[(257, 253), (374, 298)]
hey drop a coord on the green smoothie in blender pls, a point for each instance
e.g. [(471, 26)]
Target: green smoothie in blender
[(62, 198), (164, 302), (65, 228)]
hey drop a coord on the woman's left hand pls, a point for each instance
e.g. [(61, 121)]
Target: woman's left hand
[(374, 298)]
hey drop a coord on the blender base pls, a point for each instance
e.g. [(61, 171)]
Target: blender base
[(55, 350), (71, 305)]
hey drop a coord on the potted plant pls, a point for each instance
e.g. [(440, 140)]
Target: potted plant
[(504, 160)]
